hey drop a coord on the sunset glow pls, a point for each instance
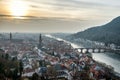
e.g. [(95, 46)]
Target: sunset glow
[(56, 15), (18, 8)]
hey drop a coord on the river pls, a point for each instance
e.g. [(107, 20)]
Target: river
[(108, 58)]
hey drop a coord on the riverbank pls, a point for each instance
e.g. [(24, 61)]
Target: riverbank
[(110, 69), (107, 68)]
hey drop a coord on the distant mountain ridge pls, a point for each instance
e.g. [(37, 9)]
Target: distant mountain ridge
[(108, 33)]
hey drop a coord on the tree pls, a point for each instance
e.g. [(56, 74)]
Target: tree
[(52, 72), (42, 63), (2, 56), (7, 56), (20, 67), (15, 74), (35, 76), (1, 67), (14, 58), (2, 77)]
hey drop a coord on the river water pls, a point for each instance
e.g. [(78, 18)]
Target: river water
[(108, 58)]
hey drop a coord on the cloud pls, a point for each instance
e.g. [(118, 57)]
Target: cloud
[(75, 8), (77, 4), (2, 15), (59, 15), (71, 9), (21, 17)]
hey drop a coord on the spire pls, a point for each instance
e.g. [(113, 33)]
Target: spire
[(40, 41), (10, 36)]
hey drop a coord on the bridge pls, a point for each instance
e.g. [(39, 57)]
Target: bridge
[(94, 50), (91, 50), (97, 50)]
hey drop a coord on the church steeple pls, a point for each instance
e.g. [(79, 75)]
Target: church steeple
[(10, 36), (40, 41)]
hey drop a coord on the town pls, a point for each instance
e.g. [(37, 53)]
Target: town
[(38, 57)]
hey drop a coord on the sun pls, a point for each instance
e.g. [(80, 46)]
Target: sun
[(18, 8)]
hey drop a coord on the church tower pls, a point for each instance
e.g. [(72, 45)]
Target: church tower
[(40, 41), (10, 36)]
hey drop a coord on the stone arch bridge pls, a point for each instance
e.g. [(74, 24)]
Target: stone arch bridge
[(97, 50)]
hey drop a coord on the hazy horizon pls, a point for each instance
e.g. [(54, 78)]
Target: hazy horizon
[(55, 16)]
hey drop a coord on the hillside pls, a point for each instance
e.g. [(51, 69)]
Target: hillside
[(108, 33)]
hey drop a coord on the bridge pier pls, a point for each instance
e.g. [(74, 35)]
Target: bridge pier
[(87, 50), (82, 50), (93, 50), (99, 50)]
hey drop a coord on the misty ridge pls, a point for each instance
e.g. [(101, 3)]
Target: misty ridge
[(108, 33)]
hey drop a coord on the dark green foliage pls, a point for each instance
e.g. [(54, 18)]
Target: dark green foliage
[(1, 68), (2, 77), (20, 67), (8, 68), (35, 76), (42, 63), (6, 56)]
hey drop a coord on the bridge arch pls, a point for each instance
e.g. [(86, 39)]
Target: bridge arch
[(96, 50), (84, 50), (90, 50), (102, 50)]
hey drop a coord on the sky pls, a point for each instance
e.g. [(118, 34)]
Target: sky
[(55, 15)]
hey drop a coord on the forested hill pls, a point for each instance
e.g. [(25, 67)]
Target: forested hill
[(108, 33)]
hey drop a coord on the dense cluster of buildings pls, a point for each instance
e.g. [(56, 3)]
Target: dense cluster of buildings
[(52, 59)]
